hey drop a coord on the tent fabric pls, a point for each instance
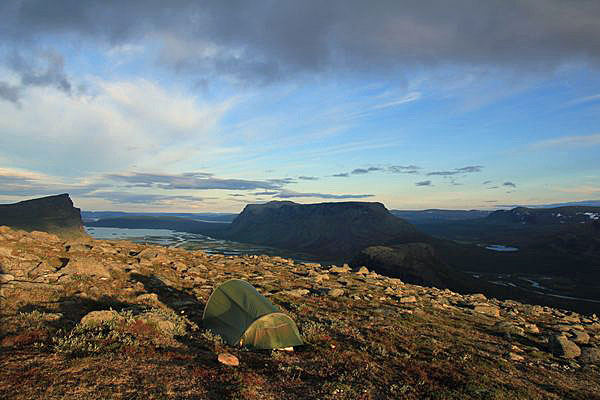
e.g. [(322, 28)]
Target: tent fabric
[(241, 315)]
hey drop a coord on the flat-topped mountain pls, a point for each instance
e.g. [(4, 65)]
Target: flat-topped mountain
[(336, 230), (53, 214)]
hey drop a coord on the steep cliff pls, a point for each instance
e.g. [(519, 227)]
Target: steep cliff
[(53, 214), (336, 230)]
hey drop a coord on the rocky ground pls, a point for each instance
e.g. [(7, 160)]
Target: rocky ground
[(93, 319)]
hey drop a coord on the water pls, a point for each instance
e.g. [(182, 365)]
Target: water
[(499, 247), (191, 241)]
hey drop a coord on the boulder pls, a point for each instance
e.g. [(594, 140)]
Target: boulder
[(590, 355), (86, 266), (562, 347)]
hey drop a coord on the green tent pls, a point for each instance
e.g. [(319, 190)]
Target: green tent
[(242, 316)]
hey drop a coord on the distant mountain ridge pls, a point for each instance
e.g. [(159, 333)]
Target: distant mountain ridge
[(546, 216), (53, 214)]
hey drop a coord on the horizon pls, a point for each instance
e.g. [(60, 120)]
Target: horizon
[(141, 107)]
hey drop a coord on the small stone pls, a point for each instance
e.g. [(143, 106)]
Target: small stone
[(96, 318), (580, 337), (563, 347), (147, 297), (336, 292), (340, 270), (515, 357), (492, 311), (509, 328), (531, 328), (407, 299), (228, 359), (362, 271), (297, 292)]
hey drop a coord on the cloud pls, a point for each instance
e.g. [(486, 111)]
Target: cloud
[(509, 184), (116, 197), (196, 181), (404, 169), (45, 68), (423, 183), (267, 193), (493, 187), (456, 171), (261, 42), (288, 194), (568, 141), (308, 178), (409, 98), (362, 171), (16, 182), (487, 182), (124, 124), (341, 175), (9, 92)]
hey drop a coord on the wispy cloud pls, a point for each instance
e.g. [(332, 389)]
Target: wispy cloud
[(509, 184), (288, 194), (487, 182), (341, 175), (197, 181), (362, 171), (116, 197), (410, 97), (564, 141), (464, 170), (404, 169), (423, 183), (309, 178)]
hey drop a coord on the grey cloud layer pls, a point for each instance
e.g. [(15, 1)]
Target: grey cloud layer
[(266, 40), (198, 181), (456, 171), (288, 194)]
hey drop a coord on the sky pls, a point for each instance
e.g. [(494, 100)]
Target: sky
[(196, 106)]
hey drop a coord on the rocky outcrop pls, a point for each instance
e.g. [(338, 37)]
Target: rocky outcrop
[(329, 230), (52, 214), (412, 262)]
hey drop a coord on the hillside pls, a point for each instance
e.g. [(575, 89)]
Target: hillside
[(55, 214), (328, 230), (111, 319)]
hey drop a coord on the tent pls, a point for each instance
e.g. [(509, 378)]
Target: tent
[(242, 316)]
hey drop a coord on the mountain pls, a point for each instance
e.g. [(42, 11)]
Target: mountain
[(331, 230), (436, 215), (114, 319), (53, 214), (545, 216)]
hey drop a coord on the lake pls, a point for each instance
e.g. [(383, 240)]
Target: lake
[(191, 241)]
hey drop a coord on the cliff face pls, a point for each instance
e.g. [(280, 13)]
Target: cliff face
[(53, 214), (336, 230)]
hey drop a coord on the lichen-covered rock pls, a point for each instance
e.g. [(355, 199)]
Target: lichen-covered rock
[(96, 318)]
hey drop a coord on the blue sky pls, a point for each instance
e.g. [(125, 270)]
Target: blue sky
[(134, 106)]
